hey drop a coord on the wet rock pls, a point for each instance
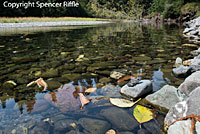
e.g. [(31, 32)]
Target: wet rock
[(9, 84), (116, 75), (166, 97), (152, 127), (67, 67), (142, 131), (63, 125), (40, 105), (102, 66), (126, 132), (71, 77), (52, 85), (183, 127), (94, 126), (190, 83), (142, 88), (182, 71), (50, 73), (195, 64), (120, 119), (184, 108), (110, 91), (41, 128), (24, 59), (104, 80), (141, 58), (64, 99), (178, 62), (74, 132)]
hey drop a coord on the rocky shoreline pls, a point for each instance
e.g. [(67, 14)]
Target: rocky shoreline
[(45, 24)]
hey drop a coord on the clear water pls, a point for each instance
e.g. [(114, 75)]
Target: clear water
[(148, 51)]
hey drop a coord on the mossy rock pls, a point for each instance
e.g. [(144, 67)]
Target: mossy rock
[(50, 73), (71, 77), (190, 8), (141, 58), (53, 84)]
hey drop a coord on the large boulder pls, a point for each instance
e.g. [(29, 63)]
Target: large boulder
[(183, 127), (120, 119), (166, 97), (141, 88), (190, 83), (190, 106)]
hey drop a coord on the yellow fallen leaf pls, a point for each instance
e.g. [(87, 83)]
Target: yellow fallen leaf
[(111, 131), (142, 114), (120, 102), (90, 90)]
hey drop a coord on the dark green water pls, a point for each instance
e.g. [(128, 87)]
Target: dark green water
[(83, 56)]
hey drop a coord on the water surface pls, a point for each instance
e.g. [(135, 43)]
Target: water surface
[(83, 56)]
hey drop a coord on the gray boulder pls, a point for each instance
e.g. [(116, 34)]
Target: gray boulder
[(182, 71), (166, 97), (190, 106), (183, 127), (190, 83), (141, 88), (94, 126), (110, 91), (120, 119)]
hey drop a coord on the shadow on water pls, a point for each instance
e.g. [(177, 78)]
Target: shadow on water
[(85, 57)]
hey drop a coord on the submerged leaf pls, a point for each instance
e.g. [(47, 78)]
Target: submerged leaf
[(142, 114), (125, 78), (83, 100), (111, 131), (120, 102), (90, 90)]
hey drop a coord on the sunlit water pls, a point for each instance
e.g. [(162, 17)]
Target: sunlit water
[(83, 56)]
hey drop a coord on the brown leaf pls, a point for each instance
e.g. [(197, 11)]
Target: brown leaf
[(111, 131), (40, 82), (83, 100), (80, 89), (90, 90), (125, 78)]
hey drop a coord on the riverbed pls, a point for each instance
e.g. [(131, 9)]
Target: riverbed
[(83, 56)]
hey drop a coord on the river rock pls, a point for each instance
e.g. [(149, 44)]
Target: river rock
[(178, 62), (71, 77), (120, 119), (190, 106), (50, 73), (110, 91), (142, 88), (183, 127), (116, 75), (182, 71), (40, 105), (64, 99), (190, 83), (52, 85), (166, 97), (94, 126), (9, 84), (63, 124), (105, 80), (152, 127), (41, 128), (24, 59)]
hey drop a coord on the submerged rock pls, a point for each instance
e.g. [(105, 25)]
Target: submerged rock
[(116, 75), (166, 97), (52, 85), (110, 91), (94, 126), (136, 90), (120, 119), (41, 128), (64, 99), (50, 73), (63, 124), (190, 83)]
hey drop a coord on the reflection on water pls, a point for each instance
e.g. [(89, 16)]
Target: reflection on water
[(84, 57)]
